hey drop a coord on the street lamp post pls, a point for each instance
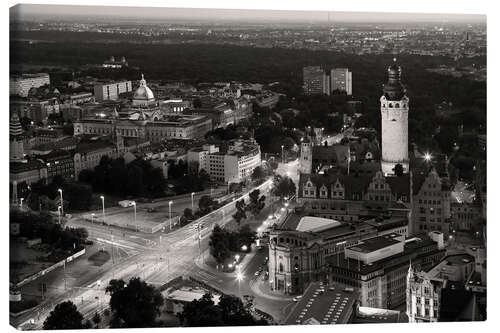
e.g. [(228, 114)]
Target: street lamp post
[(135, 215), (192, 202), (282, 154), (62, 202), (103, 211), (239, 278), (59, 212), (21, 205), (170, 213)]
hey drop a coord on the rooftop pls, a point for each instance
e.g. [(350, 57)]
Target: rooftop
[(19, 167), (376, 243), (323, 304), (412, 248)]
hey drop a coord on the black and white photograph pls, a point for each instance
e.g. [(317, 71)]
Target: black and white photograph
[(205, 167)]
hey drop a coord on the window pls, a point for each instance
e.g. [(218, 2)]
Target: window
[(281, 267)]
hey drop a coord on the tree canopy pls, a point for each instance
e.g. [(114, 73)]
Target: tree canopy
[(65, 316), (230, 311), (134, 304)]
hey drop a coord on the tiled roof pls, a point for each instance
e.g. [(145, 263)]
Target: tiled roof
[(323, 304), (18, 167)]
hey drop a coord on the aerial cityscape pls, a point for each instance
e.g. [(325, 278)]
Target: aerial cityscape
[(197, 167)]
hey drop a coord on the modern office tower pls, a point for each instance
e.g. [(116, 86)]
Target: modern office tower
[(315, 81), (341, 79)]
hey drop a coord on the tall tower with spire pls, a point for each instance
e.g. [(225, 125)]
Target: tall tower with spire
[(16, 139), (394, 106)]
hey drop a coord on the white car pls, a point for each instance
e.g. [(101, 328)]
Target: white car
[(297, 298)]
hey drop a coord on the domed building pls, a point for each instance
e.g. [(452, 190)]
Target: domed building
[(143, 96)]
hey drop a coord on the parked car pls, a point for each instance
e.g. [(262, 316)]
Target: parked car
[(297, 298)]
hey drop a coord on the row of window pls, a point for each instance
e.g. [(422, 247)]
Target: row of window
[(430, 202)]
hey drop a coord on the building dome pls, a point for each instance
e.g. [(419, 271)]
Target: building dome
[(143, 93), (393, 89)]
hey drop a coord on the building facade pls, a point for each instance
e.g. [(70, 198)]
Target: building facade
[(378, 267), (352, 197), (423, 296), (431, 202), (299, 249), (111, 90), (233, 166), (59, 163)]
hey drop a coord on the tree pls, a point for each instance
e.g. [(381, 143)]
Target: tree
[(219, 244), (206, 204), (78, 196), (246, 236), (96, 319), (188, 213), (230, 311), (258, 173), (256, 203), (240, 211), (65, 316), (283, 187), (135, 304), (234, 312), (201, 312)]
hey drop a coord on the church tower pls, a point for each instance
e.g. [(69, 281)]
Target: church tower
[(394, 106), (306, 156)]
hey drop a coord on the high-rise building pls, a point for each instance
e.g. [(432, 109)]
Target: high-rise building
[(394, 106), (315, 81), (341, 79), (21, 85), (16, 139), (112, 90)]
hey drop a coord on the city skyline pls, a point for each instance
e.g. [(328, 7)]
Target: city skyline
[(242, 15), (231, 167)]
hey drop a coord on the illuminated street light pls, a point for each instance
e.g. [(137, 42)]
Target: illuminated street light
[(92, 218), (427, 157), (21, 205), (135, 215), (170, 213), (237, 257), (103, 211), (244, 248), (192, 201), (62, 202), (240, 277)]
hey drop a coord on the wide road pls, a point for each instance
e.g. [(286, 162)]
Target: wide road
[(156, 258)]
